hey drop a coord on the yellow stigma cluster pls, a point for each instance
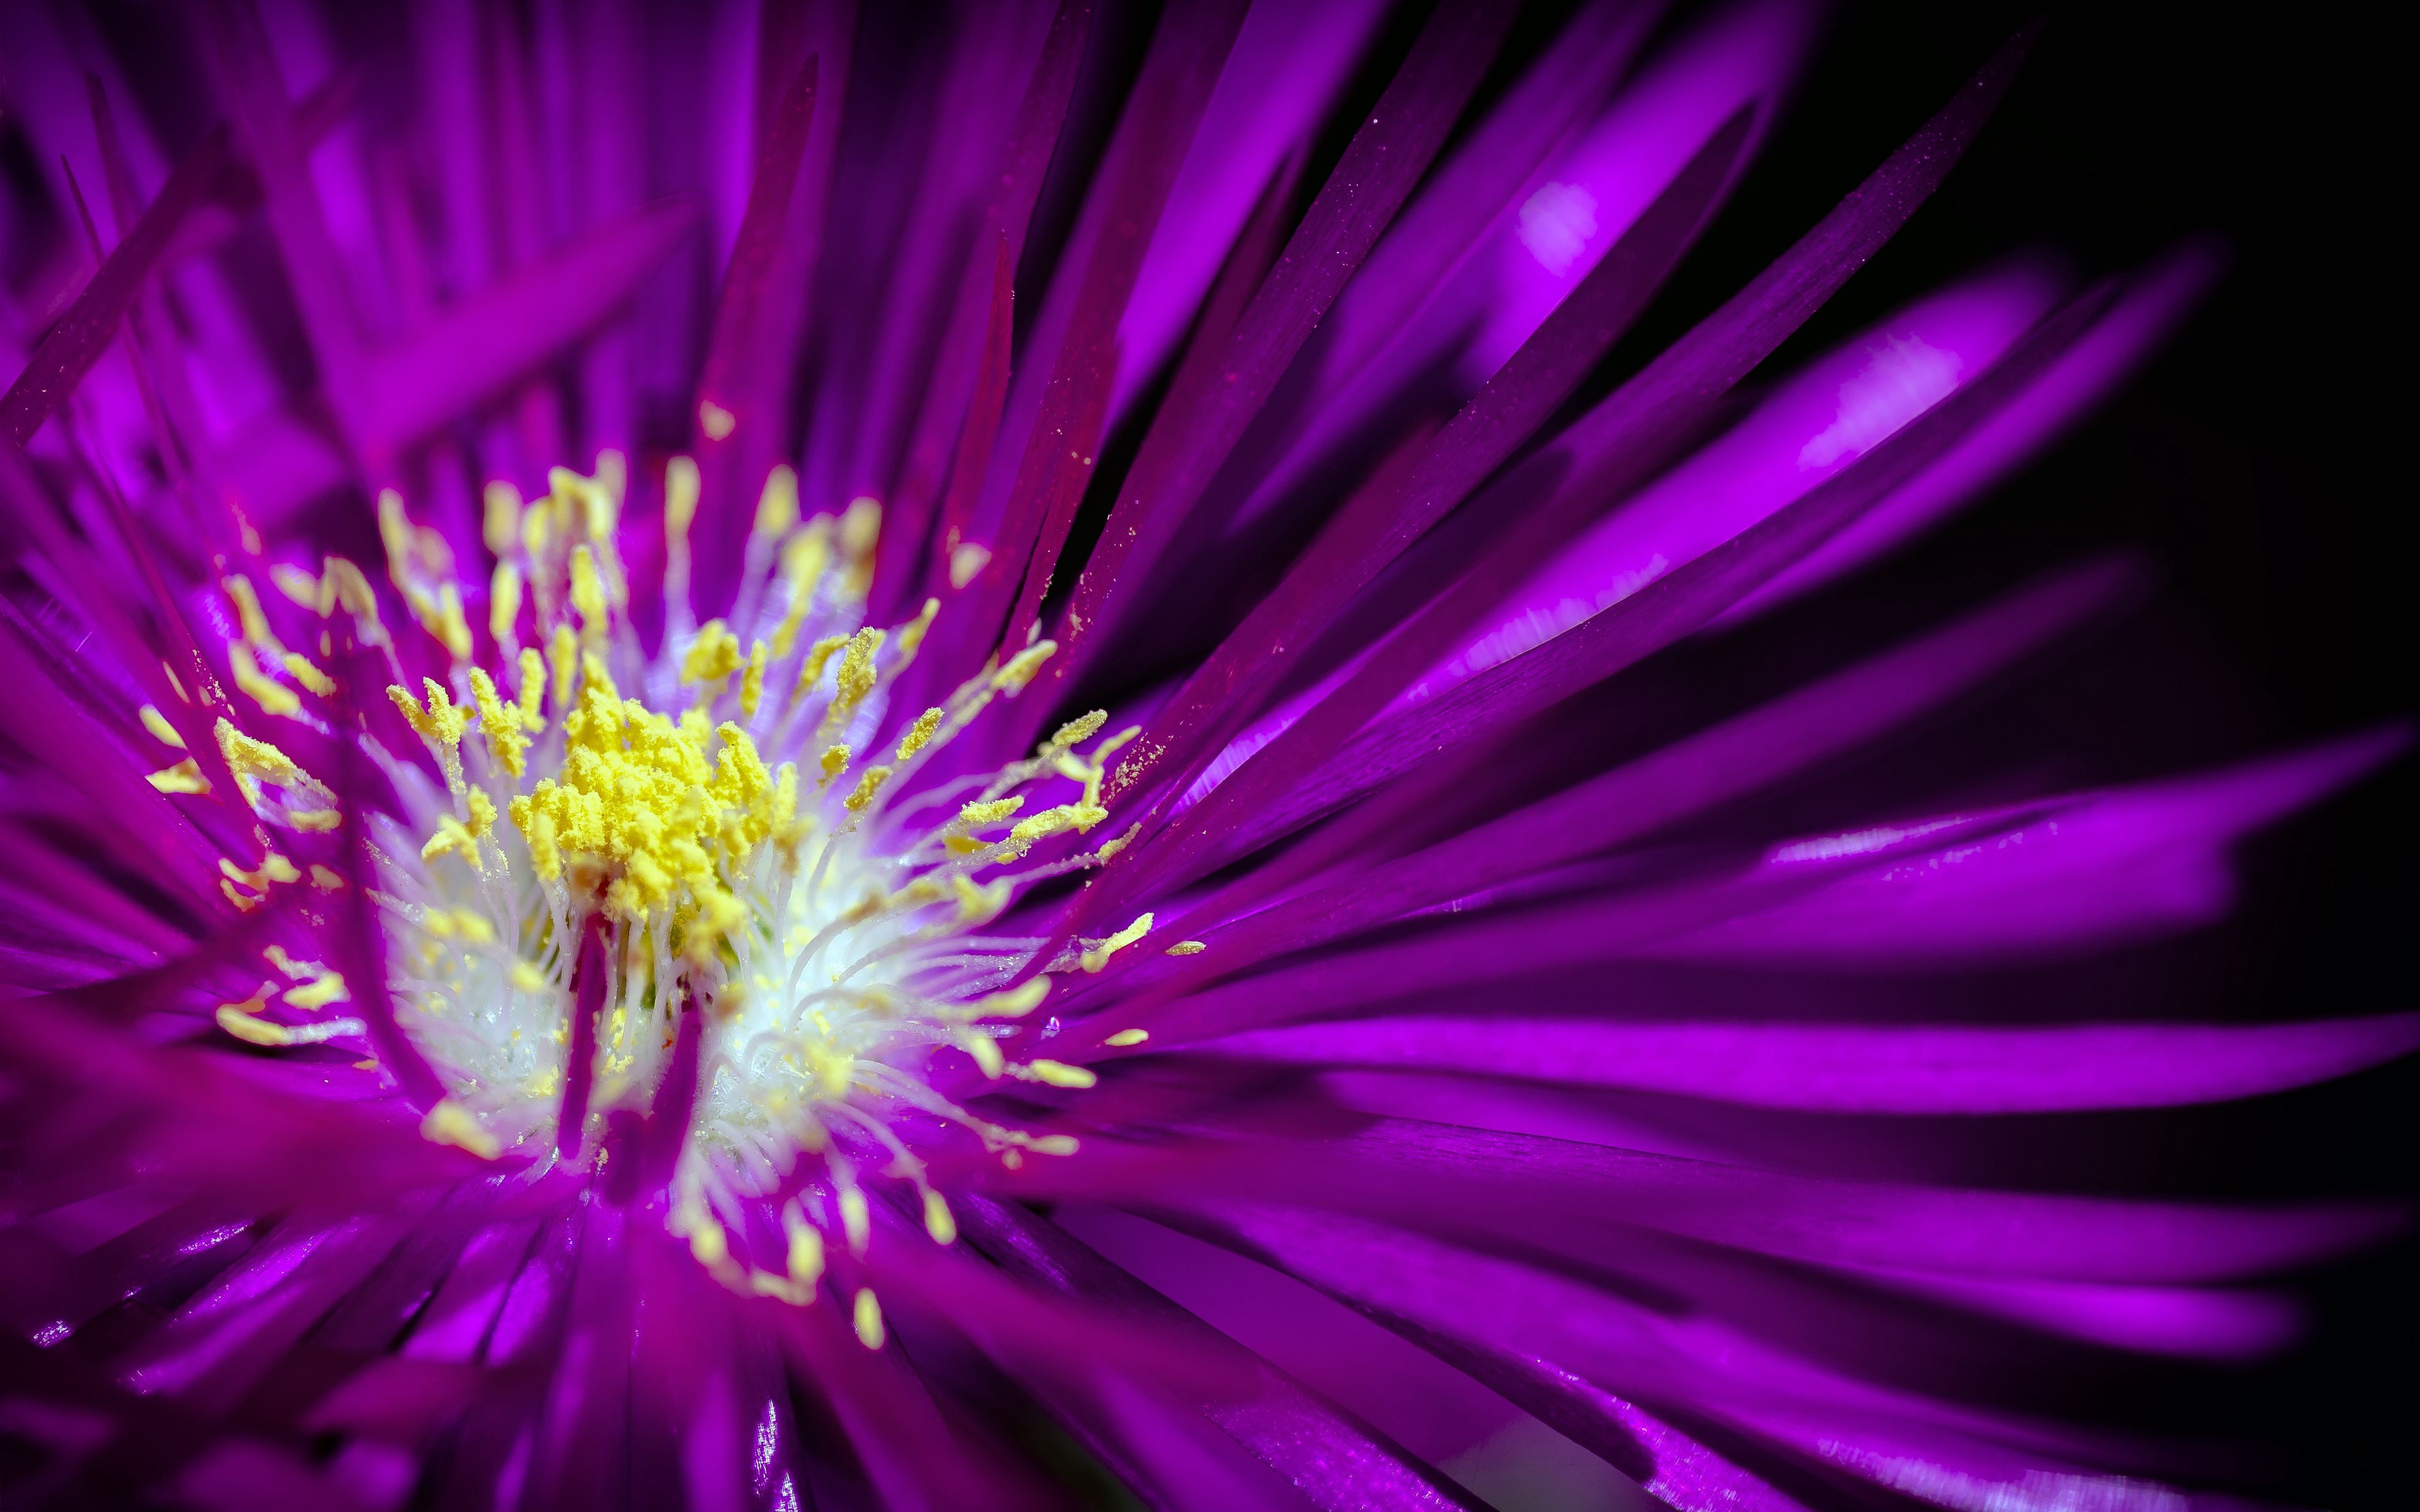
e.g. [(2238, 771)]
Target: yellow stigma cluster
[(652, 814)]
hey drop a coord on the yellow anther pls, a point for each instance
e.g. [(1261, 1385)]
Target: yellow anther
[(459, 923), (301, 668), (1014, 1003), (528, 979), (979, 904), (1079, 817), (867, 787), (713, 658), (805, 1259), (708, 1243), (503, 601), (920, 734), (1126, 1037), (501, 722), (273, 697), (853, 1222), (835, 760), (296, 584), (911, 635), (450, 1123), (185, 777), (804, 556), (234, 1019), (248, 616), (681, 491), (1099, 957), (162, 731), (717, 422), (588, 596), (752, 680), (445, 620), (325, 879), (273, 868), (1058, 1074), (777, 508), (441, 723), (1023, 668), (937, 1221), (866, 1316), (563, 659), (463, 839), (966, 561), (984, 1052), (500, 524), (856, 677), (810, 667), (1187, 948), (536, 525), (345, 587), (259, 761), (983, 815), (1078, 730), (1111, 848), (396, 534), (314, 821), (316, 994), (861, 525), (533, 687)]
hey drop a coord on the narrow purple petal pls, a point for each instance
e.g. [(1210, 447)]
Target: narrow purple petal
[(2095, 870), (1867, 1068)]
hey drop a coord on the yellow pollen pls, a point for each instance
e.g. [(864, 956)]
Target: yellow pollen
[(681, 490), (867, 787), (563, 661), (588, 596), (300, 668), (717, 422), (185, 777), (937, 1221), (653, 814), (501, 722), (1096, 958), (966, 561), (777, 509), (714, 657), (1058, 1074), (503, 601), (450, 1123), (1187, 948), (500, 524), (866, 1317), (1023, 668), (162, 731), (273, 697), (920, 734), (1126, 1037)]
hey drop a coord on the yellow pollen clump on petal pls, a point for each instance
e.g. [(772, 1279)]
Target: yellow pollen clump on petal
[(866, 1318), (1099, 957), (450, 1123), (162, 731)]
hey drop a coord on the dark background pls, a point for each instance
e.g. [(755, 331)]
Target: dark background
[(2259, 461)]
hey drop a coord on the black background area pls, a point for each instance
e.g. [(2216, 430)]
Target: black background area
[(2258, 460)]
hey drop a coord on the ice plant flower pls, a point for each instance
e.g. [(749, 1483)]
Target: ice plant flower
[(966, 818)]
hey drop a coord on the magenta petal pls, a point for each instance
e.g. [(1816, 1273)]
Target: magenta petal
[(2097, 871), (1867, 1068), (498, 336)]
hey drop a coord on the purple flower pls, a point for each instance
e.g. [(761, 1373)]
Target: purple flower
[(668, 849)]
